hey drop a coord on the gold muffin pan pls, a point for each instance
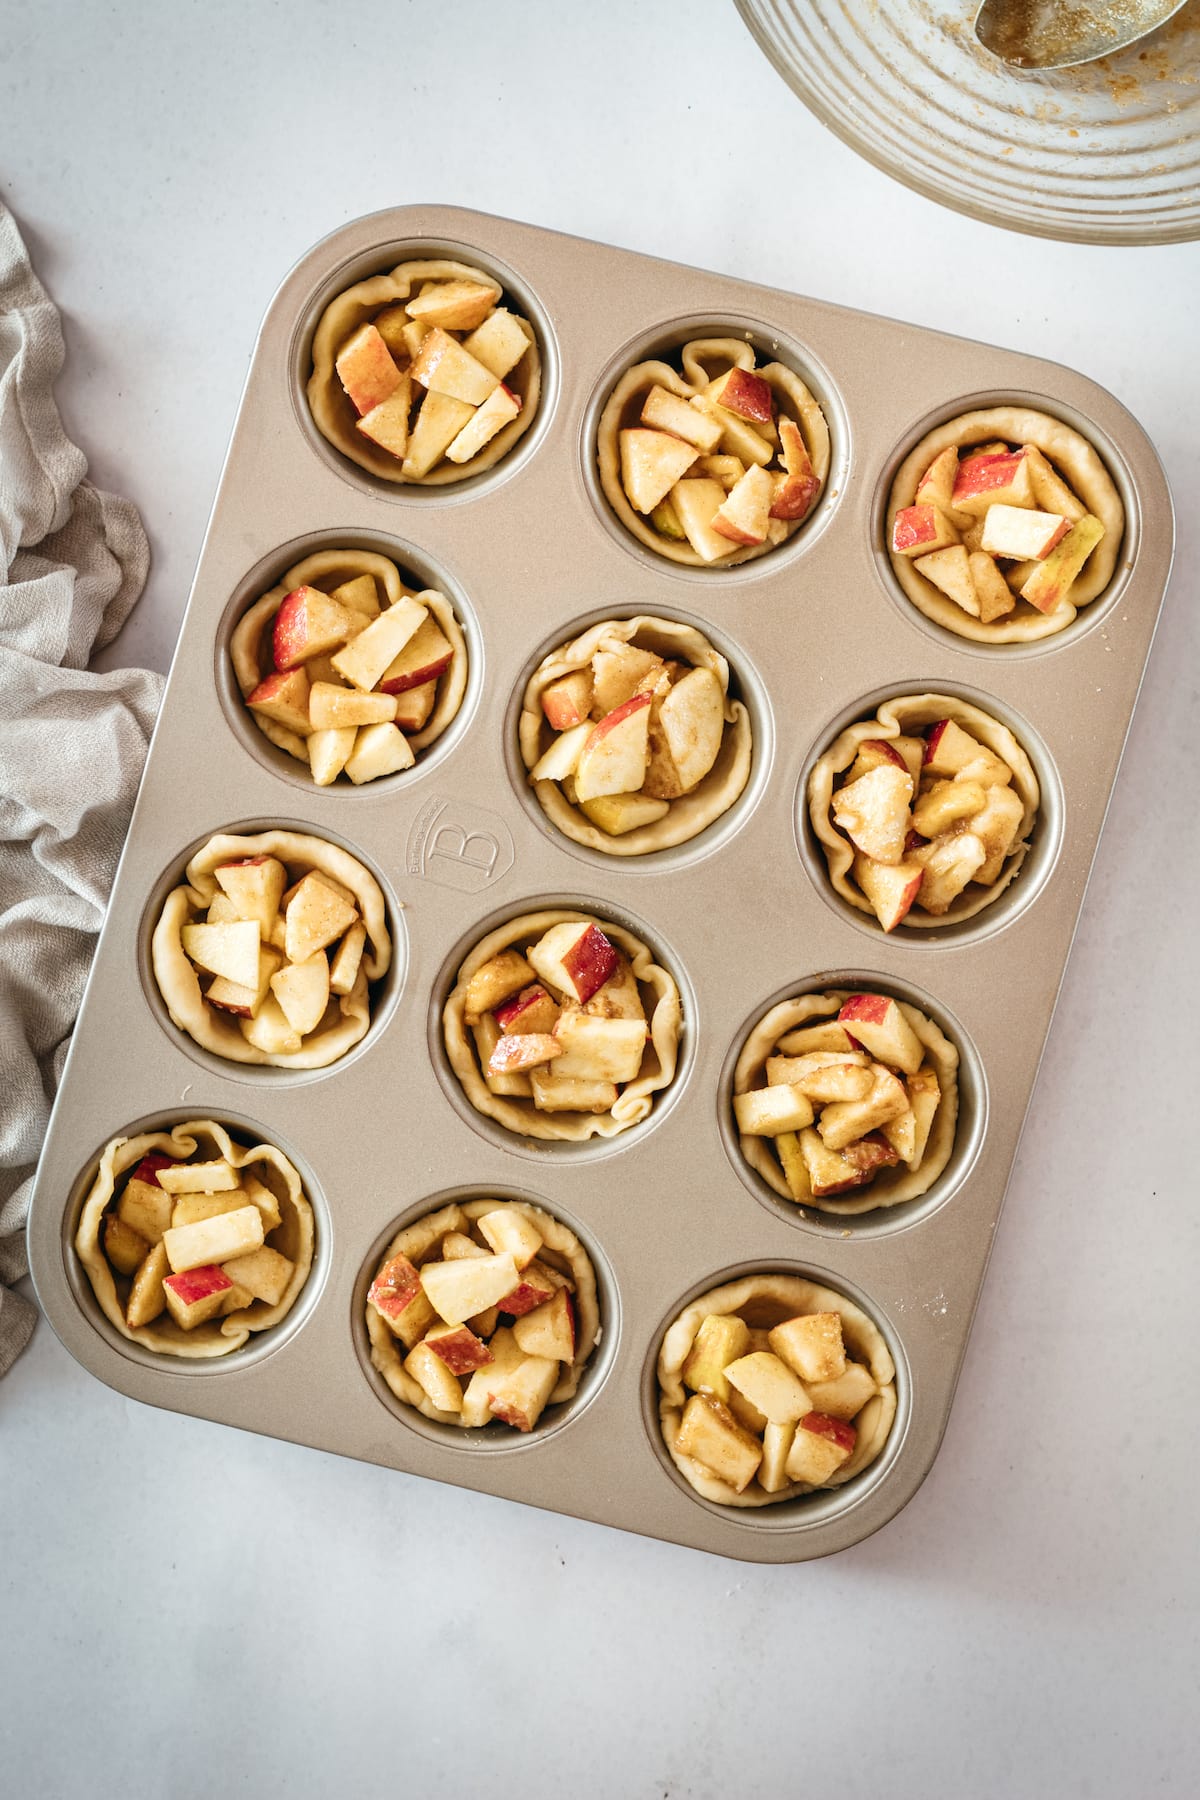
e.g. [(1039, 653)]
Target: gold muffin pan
[(816, 633)]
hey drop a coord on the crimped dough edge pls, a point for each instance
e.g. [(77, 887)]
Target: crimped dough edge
[(293, 1237), (890, 1186), (635, 1101), (769, 1299), (180, 987), (334, 567), (419, 1240), (791, 394), (898, 717), (332, 412), (1084, 472), (691, 813)]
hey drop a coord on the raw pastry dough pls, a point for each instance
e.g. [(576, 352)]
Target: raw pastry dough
[(292, 1237), (332, 412), (903, 714), (327, 569), (889, 1186), (763, 1301), (691, 813), (702, 360), (636, 1099), (346, 1021), (1083, 472), (420, 1241)]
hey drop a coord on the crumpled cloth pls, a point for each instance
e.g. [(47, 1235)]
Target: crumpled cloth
[(72, 563)]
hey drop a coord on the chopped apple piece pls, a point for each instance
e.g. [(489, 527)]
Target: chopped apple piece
[(508, 1228), (665, 411), (459, 1348), (380, 749), (302, 990), (877, 1022), (387, 423), (949, 750), (777, 1443), (873, 812), (822, 1077), (498, 410), (506, 1356), (283, 699), (269, 1030), (890, 888), (1051, 581), (315, 916), (738, 436), (614, 756), (620, 674), (308, 624), (453, 305), (992, 480), (255, 886), (332, 707), (329, 747), (146, 1297), (936, 486), (827, 1172), (811, 1345), (562, 758), (464, 1286), (574, 957), (765, 1112), (618, 997), (692, 718), (549, 1329), (427, 654), (567, 702), (125, 1248), (366, 369), (710, 1434), (873, 753), (743, 515), (770, 1386), (950, 571), (728, 470), (651, 465), (996, 826), (264, 1273), (846, 1395), (190, 1208), (1049, 490), (615, 814), (517, 1050), (535, 1286), (819, 1449), (343, 971), (358, 595), (434, 1379), (924, 1094), (532, 1010), (949, 864), (871, 1153), (395, 1289), (439, 420), (260, 1195), (721, 1339), (496, 980), (563, 1093), (592, 1049), (370, 654), (196, 1295), (807, 1039), (697, 503), (1022, 533), (499, 343), (744, 393), (213, 1240), (919, 530), (665, 519), (145, 1208), (991, 590), (230, 950), (798, 487), (444, 367), (790, 1152), (519, 1395), (844, 1121)]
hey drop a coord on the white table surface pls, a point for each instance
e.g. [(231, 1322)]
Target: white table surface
[(185, 1610)]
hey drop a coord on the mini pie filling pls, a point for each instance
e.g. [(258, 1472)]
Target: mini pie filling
[(630, 737), (715, 461), (267, 952), (1003, 537), (925, 812), (483, 1313), (193, 1241), (563, 1027), (349, 670), (771, 1387), (847, 1101), (424, 375)]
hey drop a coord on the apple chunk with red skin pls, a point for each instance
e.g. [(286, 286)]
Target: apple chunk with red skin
[(516, 1050), (1051, 581), (459, 1348), (745, 394), (936, 486), (614, 758), (918, 530), (742, 517), (367, 370), (396, 1293), (283, 698), (877, 1023), (459, 1289), (196, 1295), (984, 481), (549, 1329), (796, 490), (534, 1287), (255, 885), (427, 654), (874, 812), (1022, 533), (308, 624), (576, 958), (519, 1396), (568, 701), (530, 1010), (820, 1447)]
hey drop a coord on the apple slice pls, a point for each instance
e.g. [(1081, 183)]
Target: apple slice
[(664, 411), (924, 1095), (996, 826), (743, 515), (494, 981), (651, 464), (509, 1229), (414, 706), (845, 1396), (568, 1093), (846, 1120), (498, 410), (308, 624), (720, 1340), (460, 1288), (459, 1348), (562, 758), (873, 1152), (395, 1291), (146, 1297), (530, 1010), (434, 1379), (592, 1049), (576, 958), (332, 707), (380, 749), (255, 886), (387, 423), (777, 1444), (519, 1395), (877, 1022), (269, 1031), (145, 1209), (230, 950), (444, 367), (196, 1295), (766, 1112), (264, 1273), (808, 1038), (697, 503), (747, 395), (993, 593), (1051, 581), (343, 971), (738, 436), (534, 1287), (945, 802), (820, 1447), (728, 470), (316, 915), (260, 1195), (950, 571), (369, 655), (125, 1248), (329, 747), (614, 756), (366, 369), (506, 1356), (620, 673), (213, 1240), (358, 595), (453, 305), (822, 1078), (439, 420), (949, 864), (427, 654), (790, 1152), (709, 1433), (984, 481), (826, 1172), (189, 1209), (769, 1385), (799, 486), (567, 702), (1049, 490), (549, 1330), (615, 814), (919, 530), (619, 996), (283, 698), (692, 715), (216, 1177), (949, 750), (936, 486), (1022, 533), (517, 1050), (302, 990), (811, 1345), (499, 343), (873, 812)]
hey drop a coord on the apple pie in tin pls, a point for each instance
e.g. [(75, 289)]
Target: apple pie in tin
[(562, 1026), (192, 1241), (349, 669), (714, 461), (483, 1312), (631, 738), (925, 812), (1002, 524), (772, 1386), (268, 950), (424, 375), (846, 1101)]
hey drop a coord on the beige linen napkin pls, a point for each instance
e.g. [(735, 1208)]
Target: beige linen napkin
[(72, 744)]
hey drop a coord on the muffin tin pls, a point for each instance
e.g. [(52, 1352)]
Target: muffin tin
[(817, 632)]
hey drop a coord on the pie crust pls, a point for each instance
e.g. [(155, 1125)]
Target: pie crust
[(250, 643), (889, 1186), (420, 1241), (292, 1237), (901, 715), (660, 997), (1083, 471), (702, 359), (763, 1301), (342, 1026), (332, 412), (691, 813)]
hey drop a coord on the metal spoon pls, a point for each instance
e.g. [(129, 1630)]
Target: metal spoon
[(1058, 34)]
